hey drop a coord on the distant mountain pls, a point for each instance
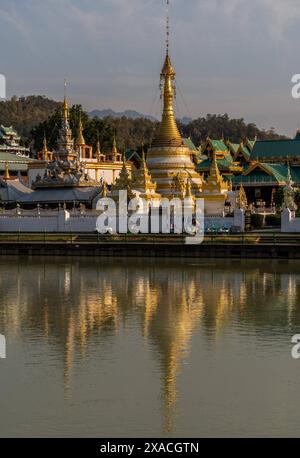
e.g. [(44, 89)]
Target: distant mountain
[(131, 114), (185, 120)]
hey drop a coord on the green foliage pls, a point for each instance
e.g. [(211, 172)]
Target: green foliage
[(256, 220), (33, 115), (25, 113), (218, 126), (130, 133), (278, 197), (297, 199), (273, 220)]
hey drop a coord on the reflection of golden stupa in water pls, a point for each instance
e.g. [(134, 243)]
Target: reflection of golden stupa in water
[(169, 159), (171, 328), (166, 303)]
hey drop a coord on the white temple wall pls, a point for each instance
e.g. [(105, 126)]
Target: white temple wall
[(28, 224), (64, 221), (288, 221)]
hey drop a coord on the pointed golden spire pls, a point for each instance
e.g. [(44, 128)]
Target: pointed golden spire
[(215, 181), (98, 150), (168, 134), (104, 190), (242, 201), (80, 138), (214, 170), (188, 189), (114, 148), (65, 104), (6, 175), (45, 147), (123, 182)]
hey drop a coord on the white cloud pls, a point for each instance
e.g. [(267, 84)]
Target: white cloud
[(116, 47)]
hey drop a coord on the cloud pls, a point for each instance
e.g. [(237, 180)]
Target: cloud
[(223, 50), (13, 19)]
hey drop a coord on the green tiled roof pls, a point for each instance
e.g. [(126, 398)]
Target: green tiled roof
[(279, 174), (7, 148), (275, 149), (235, 146), (219, 145), (223, 164), (188, 142), (297, 137), (15, 163), (246, 152), (279, 171), (256, 179), (8, 130), (10, 157), (130, 154)]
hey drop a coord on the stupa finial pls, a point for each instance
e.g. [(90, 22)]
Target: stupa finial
[(168, 133)]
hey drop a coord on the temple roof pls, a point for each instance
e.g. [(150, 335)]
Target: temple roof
[(12, 191), (131, 155), (11, 157), (189, 143), (224, 164), (16, 163), (60, 195), (7, 131), (245, 152), (267, 173), (269, 150), (219, 145)]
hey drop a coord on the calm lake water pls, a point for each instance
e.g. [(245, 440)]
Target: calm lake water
[(134, 347)]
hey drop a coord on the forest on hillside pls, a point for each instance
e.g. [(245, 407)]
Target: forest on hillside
[(25, 113), (36, 116)]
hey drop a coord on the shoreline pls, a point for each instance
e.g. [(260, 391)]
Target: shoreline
[(241, 246)]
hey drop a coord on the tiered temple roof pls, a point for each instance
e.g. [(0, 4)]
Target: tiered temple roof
[(279, 151), (224, 159), (10, 142)]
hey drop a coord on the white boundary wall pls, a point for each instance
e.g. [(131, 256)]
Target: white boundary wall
[(288, 221), (61, 221), (64, 221)]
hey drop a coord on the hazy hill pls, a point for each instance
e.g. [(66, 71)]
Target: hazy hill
[(33, 115), (24, 113), (130, 114)]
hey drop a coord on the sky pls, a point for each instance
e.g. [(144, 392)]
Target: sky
[(231, 56)]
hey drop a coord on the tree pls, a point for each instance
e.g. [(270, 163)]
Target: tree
[(32, 115), (297, 199), (278, 197)]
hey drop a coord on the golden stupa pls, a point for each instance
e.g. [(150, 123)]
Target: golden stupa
[(169, 157)]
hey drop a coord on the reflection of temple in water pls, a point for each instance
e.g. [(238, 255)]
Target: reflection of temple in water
[(171, 302)]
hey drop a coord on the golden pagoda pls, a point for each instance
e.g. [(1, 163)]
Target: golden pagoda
[(142, 182), (169, 155), (84, 151), (214, 190), (65, 140), (114, 155), (80, 141), (45, 154), (100, 156), (123, 183), (242, 201)]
